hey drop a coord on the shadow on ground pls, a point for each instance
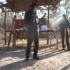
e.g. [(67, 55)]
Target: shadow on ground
[(22, 63), (67, 67)]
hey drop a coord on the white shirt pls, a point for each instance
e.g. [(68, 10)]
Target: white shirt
[(44, 28)]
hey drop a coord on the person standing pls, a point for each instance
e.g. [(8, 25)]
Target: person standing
[(30, 20), (64, 32)]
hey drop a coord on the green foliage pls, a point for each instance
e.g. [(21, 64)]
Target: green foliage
[(8, 20), (1, 41), (67, 1)]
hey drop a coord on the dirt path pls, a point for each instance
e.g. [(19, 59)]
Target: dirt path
[(50, 60)]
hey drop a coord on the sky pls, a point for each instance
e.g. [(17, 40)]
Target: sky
[(4, 1), (1, 0)]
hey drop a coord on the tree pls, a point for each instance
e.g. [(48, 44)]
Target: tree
[(67, 7)]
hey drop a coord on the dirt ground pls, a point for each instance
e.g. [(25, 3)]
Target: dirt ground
[(50, 59)]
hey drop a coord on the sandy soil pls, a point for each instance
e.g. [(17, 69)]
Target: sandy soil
[(50, 59)]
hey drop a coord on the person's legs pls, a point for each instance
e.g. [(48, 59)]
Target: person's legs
[(29, 42), (67, 39), (36, 42), (62, 37)]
